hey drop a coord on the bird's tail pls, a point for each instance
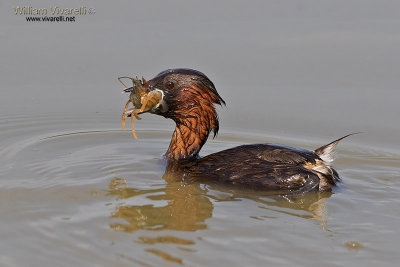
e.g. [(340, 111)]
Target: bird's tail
[(326, 152)]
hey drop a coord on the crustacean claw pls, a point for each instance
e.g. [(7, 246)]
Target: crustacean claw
[(143, 98)]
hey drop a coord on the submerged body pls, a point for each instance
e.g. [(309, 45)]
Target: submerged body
[(189, 98)]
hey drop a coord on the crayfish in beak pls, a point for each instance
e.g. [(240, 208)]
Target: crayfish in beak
[(142, 96)]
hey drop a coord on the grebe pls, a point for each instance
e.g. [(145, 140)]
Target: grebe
[(188, 97)]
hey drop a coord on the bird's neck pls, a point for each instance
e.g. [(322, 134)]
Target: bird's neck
[(188, 138), (195, 117)]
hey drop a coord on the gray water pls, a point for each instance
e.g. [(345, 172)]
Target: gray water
[(77, 190)]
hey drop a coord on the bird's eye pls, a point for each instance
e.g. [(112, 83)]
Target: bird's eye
[(169, 85)]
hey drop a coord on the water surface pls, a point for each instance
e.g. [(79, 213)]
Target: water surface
[(77, 190)]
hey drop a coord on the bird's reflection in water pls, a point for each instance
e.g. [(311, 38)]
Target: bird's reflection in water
[(185, 206), (310, 206), (186, 209)]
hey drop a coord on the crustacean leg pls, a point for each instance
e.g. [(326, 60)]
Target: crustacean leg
[(134, 113), (123, 118)]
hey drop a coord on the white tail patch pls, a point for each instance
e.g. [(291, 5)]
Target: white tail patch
[(326, 152)]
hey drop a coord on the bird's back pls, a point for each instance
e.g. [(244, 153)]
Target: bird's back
[(266, 166)]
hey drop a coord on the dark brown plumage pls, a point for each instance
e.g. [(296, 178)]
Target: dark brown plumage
[(189, 99)]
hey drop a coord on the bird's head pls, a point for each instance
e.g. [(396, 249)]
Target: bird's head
[(189, 97)]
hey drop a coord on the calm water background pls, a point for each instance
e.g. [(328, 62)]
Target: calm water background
[(77, 190)]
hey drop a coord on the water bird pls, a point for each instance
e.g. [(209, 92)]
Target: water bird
[(189, 98)]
